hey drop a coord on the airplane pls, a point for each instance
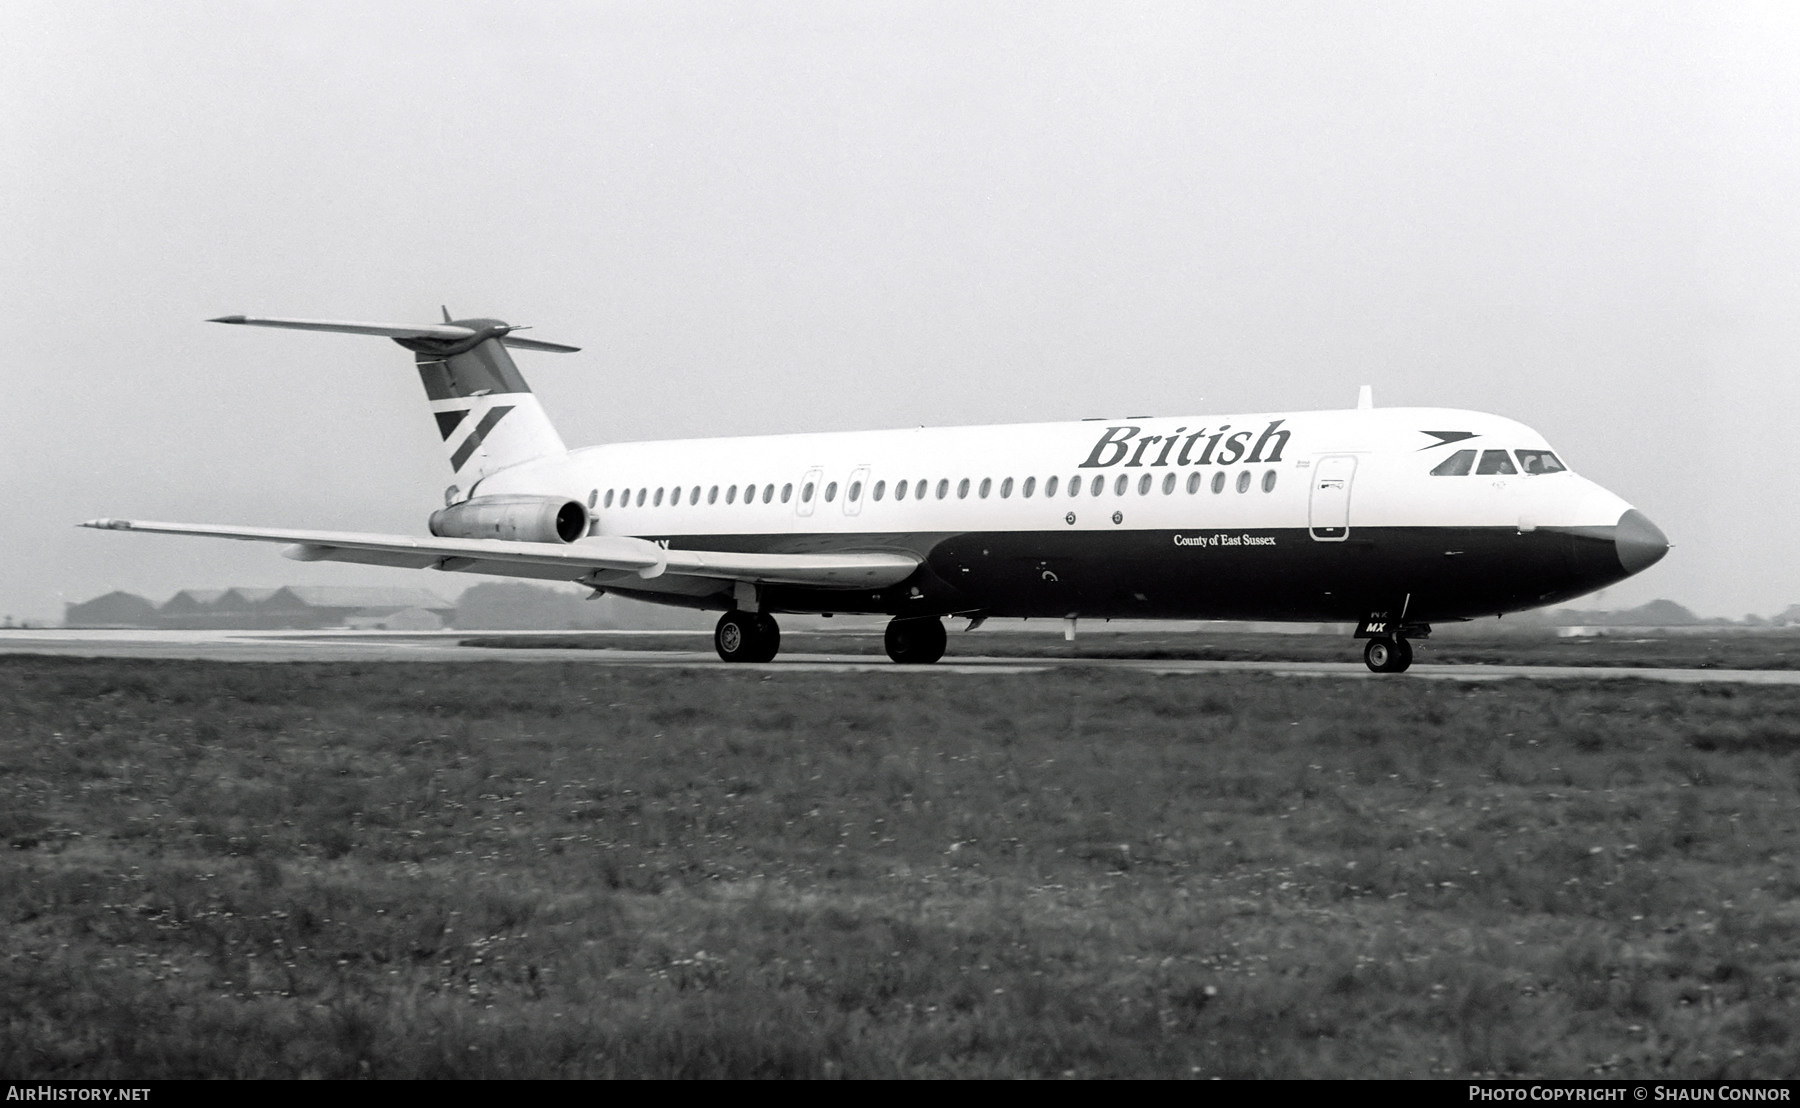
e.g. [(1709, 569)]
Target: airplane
[(1388, 518)]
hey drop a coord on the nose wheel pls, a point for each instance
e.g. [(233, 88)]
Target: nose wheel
[(1388, 655), (747, 637)]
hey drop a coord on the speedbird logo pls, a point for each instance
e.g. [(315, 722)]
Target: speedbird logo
[(449, 421), (1123, 440)]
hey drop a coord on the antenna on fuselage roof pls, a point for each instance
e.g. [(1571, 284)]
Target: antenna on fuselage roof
[(1365, 398)]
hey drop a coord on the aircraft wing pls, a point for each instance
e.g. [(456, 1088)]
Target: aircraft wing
[(599, 560)]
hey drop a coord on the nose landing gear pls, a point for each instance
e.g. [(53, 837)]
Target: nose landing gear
[(1388, 655)]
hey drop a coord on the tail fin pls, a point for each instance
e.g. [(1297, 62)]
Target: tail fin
[(485, 412)]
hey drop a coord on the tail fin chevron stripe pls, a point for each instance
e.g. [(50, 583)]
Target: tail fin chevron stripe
[(473, 443), (449, 421)]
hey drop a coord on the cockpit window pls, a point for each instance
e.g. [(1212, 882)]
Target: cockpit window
[(1495, 461), (1456, 465), (1539, 461)]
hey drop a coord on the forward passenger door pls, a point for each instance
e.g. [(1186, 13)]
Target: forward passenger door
[(1330, 507)]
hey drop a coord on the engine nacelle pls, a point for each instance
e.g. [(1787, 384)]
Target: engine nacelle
[(518, 518)]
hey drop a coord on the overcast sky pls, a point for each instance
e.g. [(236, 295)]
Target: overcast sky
[(767, 217)]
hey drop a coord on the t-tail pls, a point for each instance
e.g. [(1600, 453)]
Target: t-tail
[(485, 412)]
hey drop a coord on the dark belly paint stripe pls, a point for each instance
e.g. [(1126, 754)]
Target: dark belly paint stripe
[(1435, 573)]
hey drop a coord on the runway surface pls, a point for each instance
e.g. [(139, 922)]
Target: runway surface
[(446, 646)]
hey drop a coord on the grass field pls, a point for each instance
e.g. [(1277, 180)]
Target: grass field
[(1454, 645), (400, 870)]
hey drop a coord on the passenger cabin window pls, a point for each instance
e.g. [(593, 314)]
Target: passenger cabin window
[(1031, 486), (1218, 482), (880, 488), (1495, 461), (609, 497), (657, 503), (1269, 481), (1098, 485), (731, 494), (712, 495), (1120, 485), (640, 496), (1193, 482), (1049, 487), (1168, 483), (943, 488), (899, 490), (694, 496), (768, 493), (1006, 488), (830, 492), (855, 492), (1534, 462), (1456, 465), (987, 486), (787, 492)]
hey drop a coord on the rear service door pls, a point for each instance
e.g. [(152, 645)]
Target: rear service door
[(1331, 481)]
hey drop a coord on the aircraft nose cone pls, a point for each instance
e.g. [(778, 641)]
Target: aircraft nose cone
[(1640, 543)]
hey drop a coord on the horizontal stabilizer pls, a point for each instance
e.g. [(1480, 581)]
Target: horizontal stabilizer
[(447, 331), (573, 561), (521, 343), (441, 332)]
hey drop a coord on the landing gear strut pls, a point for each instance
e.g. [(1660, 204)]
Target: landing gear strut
[(1388, 655), (916, 641), (747, 637)]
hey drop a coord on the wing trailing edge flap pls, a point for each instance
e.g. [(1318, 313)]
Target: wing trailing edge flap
[(601, 555)]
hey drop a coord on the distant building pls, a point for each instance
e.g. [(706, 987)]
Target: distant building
[(347, 606), (406, 619), (1656, 613), (115, 609), (292, 607), (188, 608)]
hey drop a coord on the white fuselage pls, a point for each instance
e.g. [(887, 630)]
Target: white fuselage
[(976, 478)]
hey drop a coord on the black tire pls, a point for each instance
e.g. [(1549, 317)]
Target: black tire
[(915, 642), (736, 638), (768, 638), (1380, 655), (1403, 655)]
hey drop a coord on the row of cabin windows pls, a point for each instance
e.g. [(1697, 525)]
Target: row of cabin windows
[(922, 489), (1531, 463)]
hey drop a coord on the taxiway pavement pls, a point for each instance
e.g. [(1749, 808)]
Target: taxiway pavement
[(409, 646)]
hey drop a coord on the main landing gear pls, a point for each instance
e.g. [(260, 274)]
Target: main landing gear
[(916, 641), (755, 637), (1388, 655), (747, 637)]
